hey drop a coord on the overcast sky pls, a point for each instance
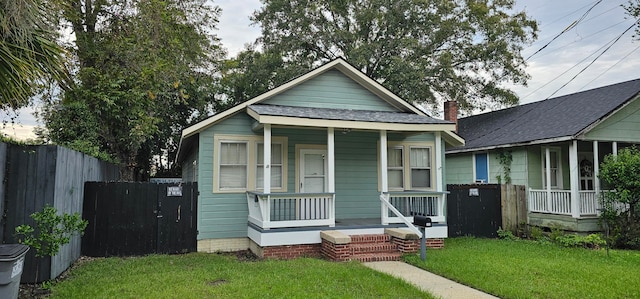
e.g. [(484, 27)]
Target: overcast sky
[(550, 69)]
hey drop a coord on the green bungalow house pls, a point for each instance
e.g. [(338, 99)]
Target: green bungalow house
[(556, 146), (329, 152)]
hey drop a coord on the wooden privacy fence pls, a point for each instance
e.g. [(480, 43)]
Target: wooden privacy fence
[(481, 209), (134, 218), (33, 177)]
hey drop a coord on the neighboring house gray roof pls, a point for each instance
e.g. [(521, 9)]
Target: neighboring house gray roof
[(345, 114), (564, 116)]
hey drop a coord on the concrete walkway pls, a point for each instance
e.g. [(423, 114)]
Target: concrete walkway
[(426, 281)]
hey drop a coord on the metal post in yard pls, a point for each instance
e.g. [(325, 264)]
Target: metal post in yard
[(423, 244)]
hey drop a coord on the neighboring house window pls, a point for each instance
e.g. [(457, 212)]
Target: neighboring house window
[(276, 166), (409, 166), (554, 167), (481, 168), (233, 165), (395, 168), (420, 160)]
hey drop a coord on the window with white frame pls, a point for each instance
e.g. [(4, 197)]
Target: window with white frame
[(233, 164), (276, 166), (239, 163), (554, 169), (395, 168), (420, 159), (409, 166)]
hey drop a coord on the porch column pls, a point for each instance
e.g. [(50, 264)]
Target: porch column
[(596, 168), (574, 177), (547, 166), (439, 163), (331, 162), (267, 159), (615, 148), (383, 162)]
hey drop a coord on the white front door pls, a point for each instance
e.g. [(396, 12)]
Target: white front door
[(313, 171)]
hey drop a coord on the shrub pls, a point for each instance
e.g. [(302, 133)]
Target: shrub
[(506, 235)]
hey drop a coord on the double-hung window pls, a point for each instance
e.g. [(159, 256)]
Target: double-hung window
[(395, 168), (409, 166), (420, 159), (233, 171), (239, 163), (554, 168)]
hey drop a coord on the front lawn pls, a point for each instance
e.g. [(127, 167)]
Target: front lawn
[(527, 269), (199, 275)]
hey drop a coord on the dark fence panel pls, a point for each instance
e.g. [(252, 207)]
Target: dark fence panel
[(139, 218), (474, 210), (37, 176)]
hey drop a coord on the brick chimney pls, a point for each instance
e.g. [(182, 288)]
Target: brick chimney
[(451, 112)]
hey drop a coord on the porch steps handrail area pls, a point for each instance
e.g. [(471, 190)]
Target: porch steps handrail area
[(386, 205), (277, 210)]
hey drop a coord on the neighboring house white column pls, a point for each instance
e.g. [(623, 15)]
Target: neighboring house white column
[(615, 148), (267, 159), (438, 165), (547, 163), (574, 177), (383, 162), (596, 168), (331, 163)]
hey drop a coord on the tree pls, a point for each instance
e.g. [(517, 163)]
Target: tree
[(424, 51), (620, 207), (28, 51), (633, 10), (145, 70)]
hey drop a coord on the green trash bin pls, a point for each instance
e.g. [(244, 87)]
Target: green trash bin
[(11, 263)]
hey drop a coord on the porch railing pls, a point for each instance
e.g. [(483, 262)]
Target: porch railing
[(277, 210), (410, 203), (559, 202)]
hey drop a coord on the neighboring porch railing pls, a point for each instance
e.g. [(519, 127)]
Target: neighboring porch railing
[(277, 210), (559, 202), (404, 205)]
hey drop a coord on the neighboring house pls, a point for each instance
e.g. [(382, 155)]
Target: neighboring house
[(328, 150), (556, 146)]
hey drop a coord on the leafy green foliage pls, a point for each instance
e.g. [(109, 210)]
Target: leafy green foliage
[(28, 51), (423, 51), (619, 208), (51, 231), (506, 235), (505, 158), (146, 71)]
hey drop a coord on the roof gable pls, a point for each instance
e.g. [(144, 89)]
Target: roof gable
[(331, 89), (556, 118), (339, 65)]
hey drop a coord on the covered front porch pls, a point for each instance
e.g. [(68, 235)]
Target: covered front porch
[(577, 207)]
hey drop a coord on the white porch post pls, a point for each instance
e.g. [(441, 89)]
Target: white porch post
[(596, 168), (332, 159), (574, 177), (547, 163), (615, 148), (267, 159), (383, 175), (439, 162)]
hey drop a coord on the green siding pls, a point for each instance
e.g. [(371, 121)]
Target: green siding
[(190, 166), (622, 126), (459, 169), (331, 90), (221, 215)]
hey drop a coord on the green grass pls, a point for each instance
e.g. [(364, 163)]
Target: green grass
[(200, 275), (526, 269)]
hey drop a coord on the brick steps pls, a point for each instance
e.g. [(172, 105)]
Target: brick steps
[(373, 248)]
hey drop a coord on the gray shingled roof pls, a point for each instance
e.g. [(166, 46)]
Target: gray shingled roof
[(563, 116), (345, 114)]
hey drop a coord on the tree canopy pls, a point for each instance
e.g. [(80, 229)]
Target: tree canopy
[(145, 70), (29, 53), (424, 51)]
